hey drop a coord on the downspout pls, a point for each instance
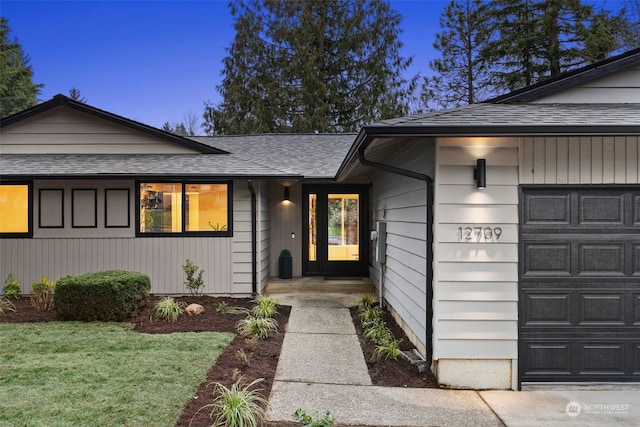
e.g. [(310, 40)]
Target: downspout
[(429, 250), (254, 239)]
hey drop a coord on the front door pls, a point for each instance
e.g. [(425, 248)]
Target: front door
[(335, 242)]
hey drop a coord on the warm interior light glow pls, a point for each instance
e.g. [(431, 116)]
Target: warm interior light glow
[(14, 208)]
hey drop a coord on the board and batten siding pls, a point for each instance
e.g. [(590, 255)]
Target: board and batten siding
[(475, 272), (401, 203), (580, 160), (63, 130), (56, 253), (621, 87)]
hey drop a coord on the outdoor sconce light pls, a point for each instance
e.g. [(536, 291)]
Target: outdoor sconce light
[(286, 194), (480, 173)]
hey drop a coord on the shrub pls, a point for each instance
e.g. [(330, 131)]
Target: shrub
[(6, 305), (106, 296), (307, 420), (238, 406), (194, 281), (169, 309), (261, 327), (264, 307), (12, 287), (285, 253), (43, 290)]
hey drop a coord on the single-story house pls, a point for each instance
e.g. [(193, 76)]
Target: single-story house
[(507, 233)]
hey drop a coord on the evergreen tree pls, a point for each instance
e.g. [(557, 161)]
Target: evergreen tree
[(462, 73), (17, 90), (311, 66), (75, 95), (538, 39)]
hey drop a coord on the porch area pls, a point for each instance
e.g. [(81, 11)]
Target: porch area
[(320, 284)]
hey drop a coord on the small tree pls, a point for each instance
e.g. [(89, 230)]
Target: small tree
[(194, 281)]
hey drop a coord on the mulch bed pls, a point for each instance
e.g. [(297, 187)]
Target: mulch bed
[(261, 361)]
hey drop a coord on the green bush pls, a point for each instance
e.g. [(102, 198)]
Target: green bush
[(11, 287), (106, 296), (194, 281)]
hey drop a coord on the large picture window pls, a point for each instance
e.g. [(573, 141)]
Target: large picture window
[(194, 208), (15, 210)]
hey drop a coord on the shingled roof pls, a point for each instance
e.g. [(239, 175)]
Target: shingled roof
[(313, 156)]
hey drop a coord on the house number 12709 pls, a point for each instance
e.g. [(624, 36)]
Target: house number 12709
[(479, 234)]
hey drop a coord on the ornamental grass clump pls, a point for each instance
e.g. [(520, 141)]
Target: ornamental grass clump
[(6, 305), (388, 350), (169, 309), (224, 308), (261, 327), (238, 406), (264, 307), (365, 301)]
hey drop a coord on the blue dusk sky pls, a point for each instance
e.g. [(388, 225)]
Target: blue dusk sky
[(157, 61)]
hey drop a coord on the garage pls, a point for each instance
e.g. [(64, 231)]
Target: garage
[(579, 284)]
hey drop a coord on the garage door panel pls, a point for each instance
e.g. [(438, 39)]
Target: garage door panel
[(547, 209), (579, 309), (601, 259), (601, 309), (546, 358), (548, 309), (601, 209), (547, 259), (602, 358)]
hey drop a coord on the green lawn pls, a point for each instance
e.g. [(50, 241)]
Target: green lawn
[(99, 374)]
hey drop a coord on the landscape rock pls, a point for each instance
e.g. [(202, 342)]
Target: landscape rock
[(194, 309)]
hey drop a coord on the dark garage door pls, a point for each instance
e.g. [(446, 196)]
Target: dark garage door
[(579, 302)]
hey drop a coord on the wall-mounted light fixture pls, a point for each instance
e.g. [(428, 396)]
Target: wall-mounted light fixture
[(480, 173), (286, 194)]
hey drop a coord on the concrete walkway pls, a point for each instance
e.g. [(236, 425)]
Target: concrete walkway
[(322, 368)]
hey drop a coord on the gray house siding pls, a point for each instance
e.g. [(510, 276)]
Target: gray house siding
[(57, 252), (401, 203)]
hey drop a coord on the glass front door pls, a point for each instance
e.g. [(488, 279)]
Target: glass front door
[(335, 239)]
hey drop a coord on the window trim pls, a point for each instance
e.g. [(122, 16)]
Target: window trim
[(183, 183), (95, 207), (106, 207), (29, 233), (42, 190)]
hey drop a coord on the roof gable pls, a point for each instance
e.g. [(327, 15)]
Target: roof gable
[(62, 125)]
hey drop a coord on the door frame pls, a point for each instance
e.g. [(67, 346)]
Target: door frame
[(324, 267)]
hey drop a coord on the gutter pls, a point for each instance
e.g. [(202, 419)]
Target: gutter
[(254, 239), (368, 139)]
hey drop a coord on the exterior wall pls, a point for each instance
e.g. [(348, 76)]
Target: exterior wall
[(476, 282), (58, 252), (64, 130), (622, 87), (401, 203), (475, 315), (581, 160), (286, 218)]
